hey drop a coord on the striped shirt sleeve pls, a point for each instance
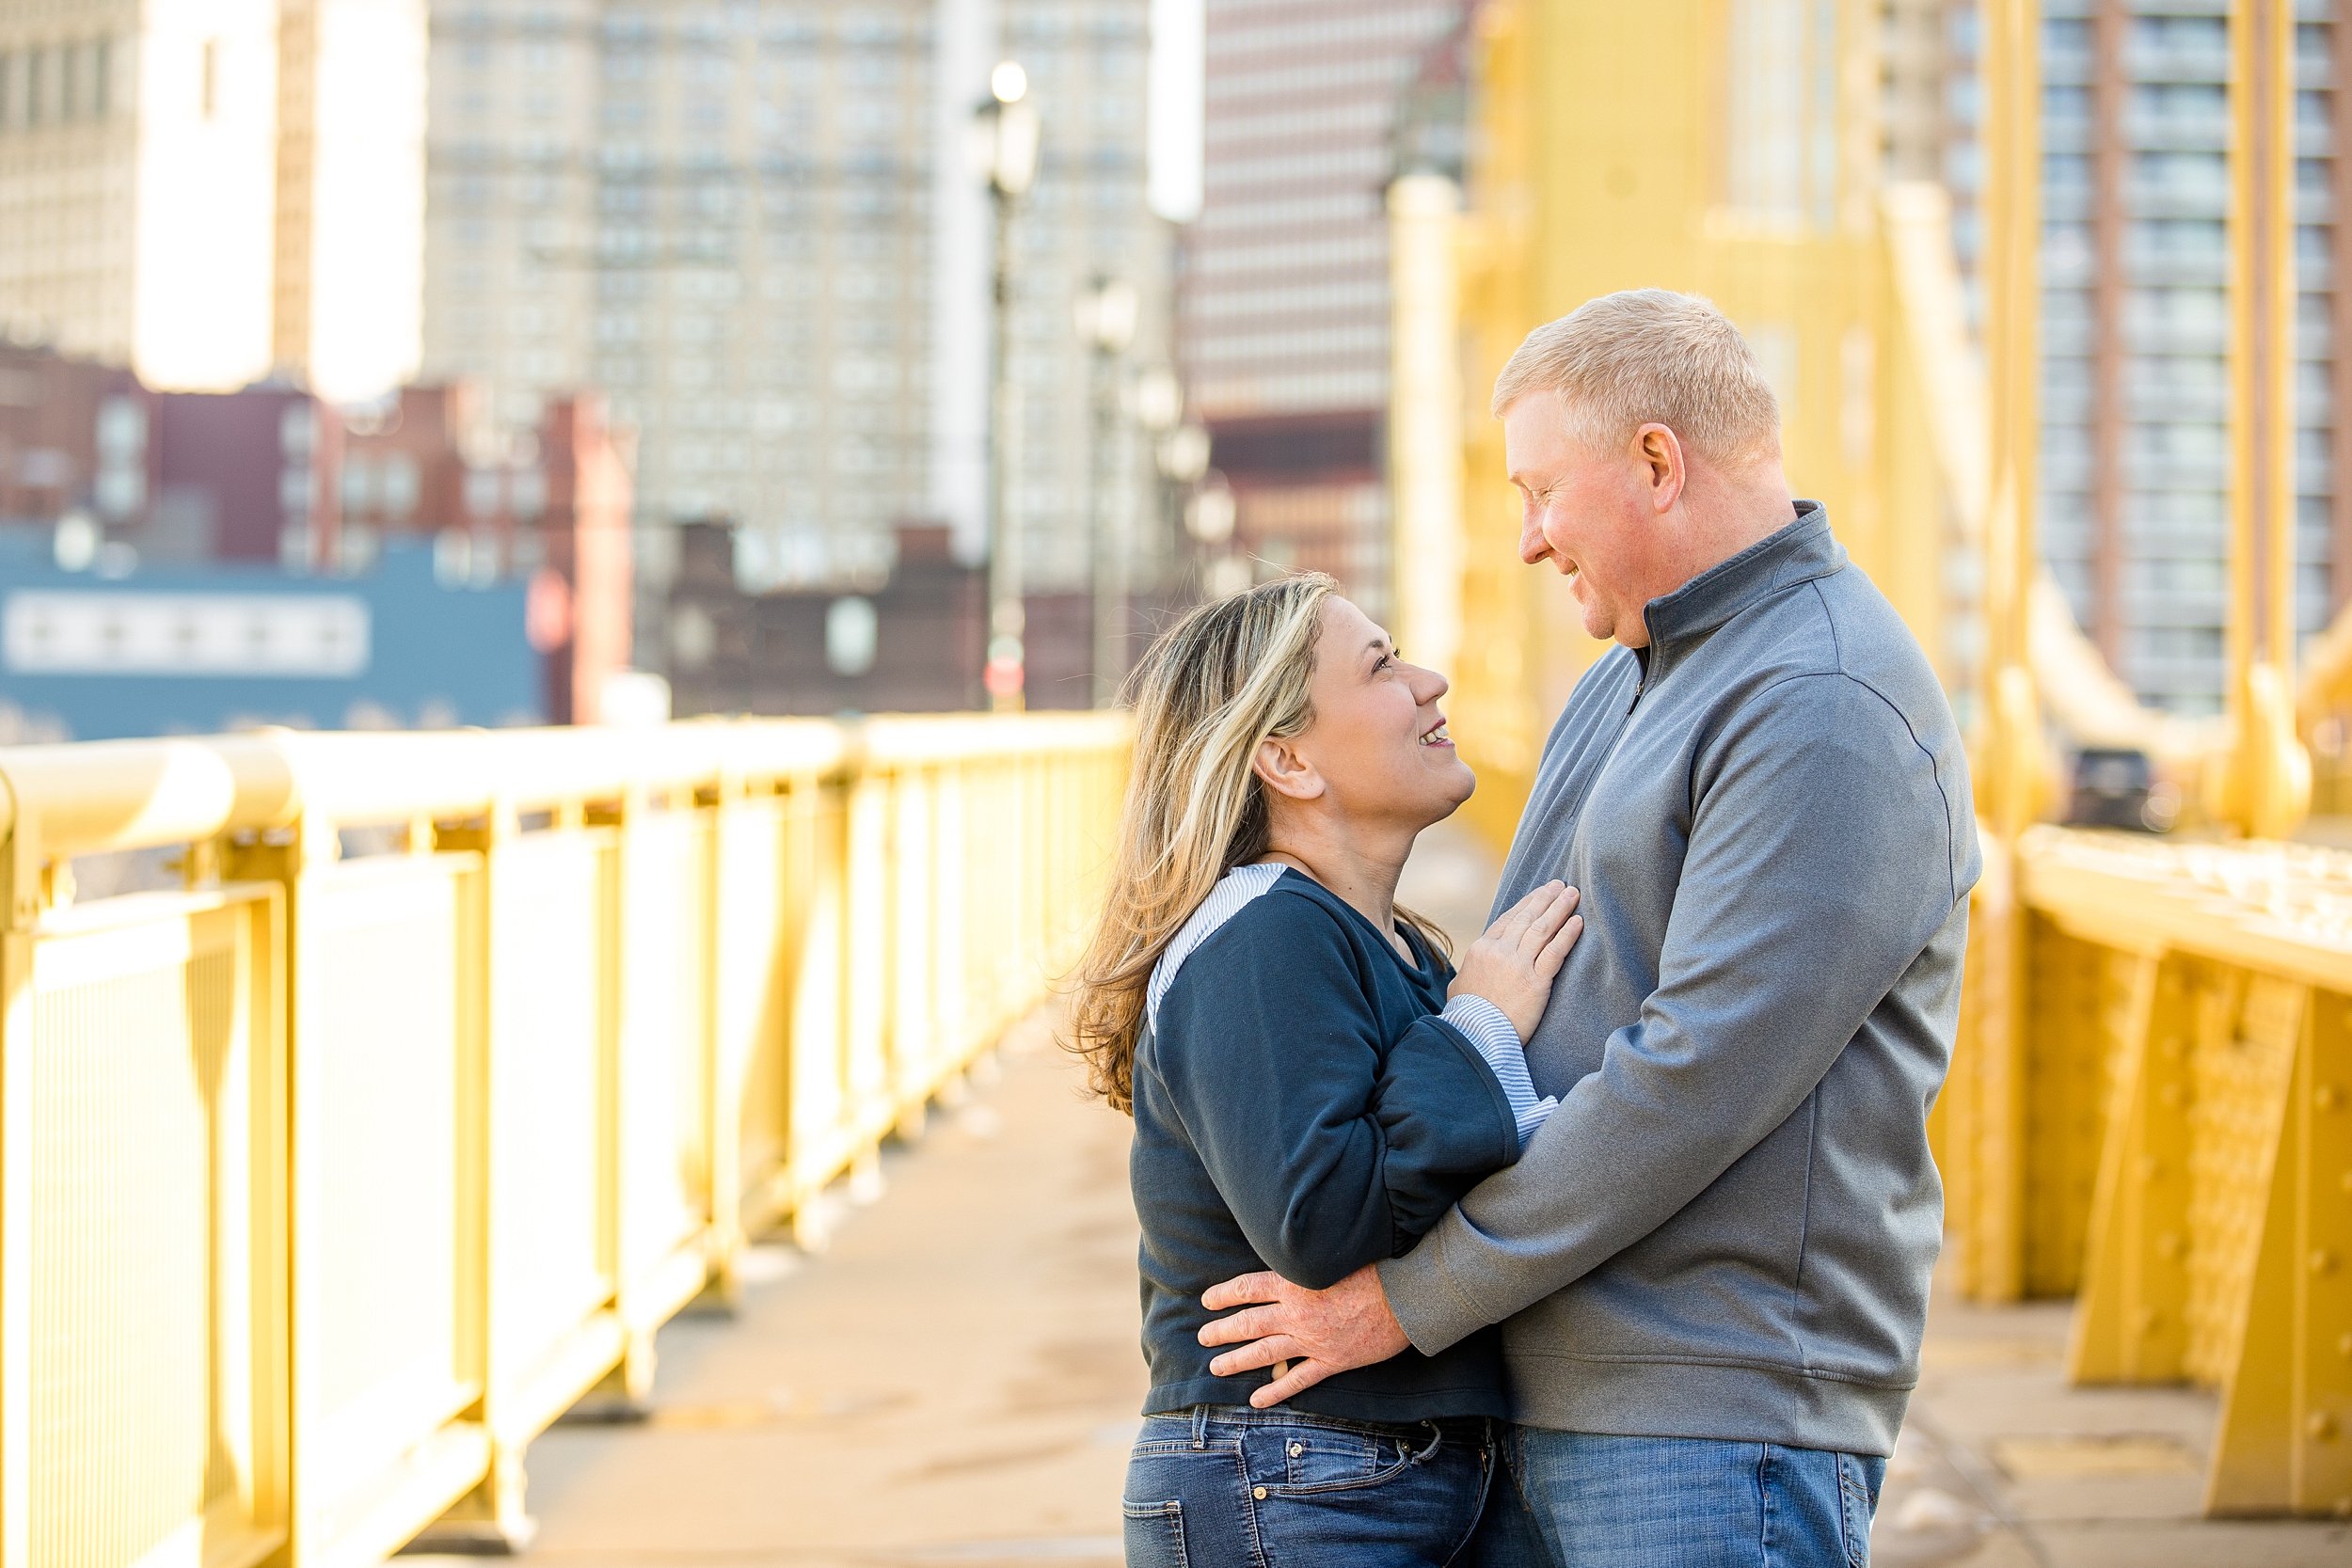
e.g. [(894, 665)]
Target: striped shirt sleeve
[(1483, 1024)]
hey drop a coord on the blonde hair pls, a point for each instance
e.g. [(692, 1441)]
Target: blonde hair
[(1228, 676), (1649, 355)]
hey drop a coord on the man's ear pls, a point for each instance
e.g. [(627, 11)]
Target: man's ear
[(1283, 771), (1659, 450)]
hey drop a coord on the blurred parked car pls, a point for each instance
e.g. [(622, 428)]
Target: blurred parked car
[(2117, 787)]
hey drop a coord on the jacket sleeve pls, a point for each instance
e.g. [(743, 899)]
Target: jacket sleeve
[(1329, 1151), (1822, 863)]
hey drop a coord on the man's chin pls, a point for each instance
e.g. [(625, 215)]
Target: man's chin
[(1598, 623)]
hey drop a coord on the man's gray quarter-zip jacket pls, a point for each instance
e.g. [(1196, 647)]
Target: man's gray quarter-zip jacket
[(1726, 1228)]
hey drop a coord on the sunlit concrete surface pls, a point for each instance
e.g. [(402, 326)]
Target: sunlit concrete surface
[(955, 1379), (2003, 1464)]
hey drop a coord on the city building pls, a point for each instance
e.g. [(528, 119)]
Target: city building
[(112, 492), (2134, 329), (1283, 308), (214, 194), (907, 642), (758, 226)]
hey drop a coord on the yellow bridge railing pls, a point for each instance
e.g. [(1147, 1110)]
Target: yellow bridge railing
[(329, 1180), (2150, 1108)]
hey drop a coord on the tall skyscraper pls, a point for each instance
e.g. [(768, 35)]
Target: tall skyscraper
[(1284, 306), (212, 193), (2135, 328), (758, 224), (2136, 321)]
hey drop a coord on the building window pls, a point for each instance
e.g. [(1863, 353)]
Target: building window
[(1781, 163), (399, 486), (851, 636)]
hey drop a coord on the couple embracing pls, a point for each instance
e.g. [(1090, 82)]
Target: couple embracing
[(1611, 1247)]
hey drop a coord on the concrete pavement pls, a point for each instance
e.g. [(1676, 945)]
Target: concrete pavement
[(954, 1380), (2003, 1464)]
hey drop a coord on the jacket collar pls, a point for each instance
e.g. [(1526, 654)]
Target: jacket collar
[(1681, 621)]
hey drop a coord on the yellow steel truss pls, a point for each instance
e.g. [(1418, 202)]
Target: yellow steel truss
[(1638, 177), (2148, 1099)]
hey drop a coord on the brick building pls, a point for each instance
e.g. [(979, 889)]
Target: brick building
[(907, 642), (1283, 308), (119, 479)]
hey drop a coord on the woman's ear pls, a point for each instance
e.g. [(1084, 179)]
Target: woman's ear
[(1283, 771)]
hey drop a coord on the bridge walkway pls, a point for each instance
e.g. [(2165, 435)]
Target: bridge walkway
[(953, 1380)]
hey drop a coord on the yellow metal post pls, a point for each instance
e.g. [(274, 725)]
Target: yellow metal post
[(2242, 1297), (2131, 1325), (1425, 416), (2011, 771), (1495, 705), (2265, 786), (2320, 1477)]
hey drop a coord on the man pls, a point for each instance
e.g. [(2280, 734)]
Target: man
[(1711, 1263)]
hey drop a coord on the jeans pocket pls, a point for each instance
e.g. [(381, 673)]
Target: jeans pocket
[(1422, 1506), (1327, 1459), (1154, 1534), (1857, 1501)]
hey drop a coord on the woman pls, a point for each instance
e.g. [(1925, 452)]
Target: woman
[(1310, 1094)]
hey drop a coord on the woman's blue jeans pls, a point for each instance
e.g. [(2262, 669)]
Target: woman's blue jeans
[(1222, 1486)]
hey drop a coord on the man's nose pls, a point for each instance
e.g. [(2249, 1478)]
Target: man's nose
[(1533, 546)]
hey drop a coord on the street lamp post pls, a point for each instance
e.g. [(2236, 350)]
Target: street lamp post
[(1205, 510), (1156, 400), (1106, 321), (1005, 145)]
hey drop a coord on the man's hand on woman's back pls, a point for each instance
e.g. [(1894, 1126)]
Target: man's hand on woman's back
[(1306, 1335)]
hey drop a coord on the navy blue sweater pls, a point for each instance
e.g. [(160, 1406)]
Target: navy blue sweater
[(1299, 1107)]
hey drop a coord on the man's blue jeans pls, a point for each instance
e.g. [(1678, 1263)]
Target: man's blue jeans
[(1571, 1500)]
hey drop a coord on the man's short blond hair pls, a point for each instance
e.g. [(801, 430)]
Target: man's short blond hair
[(1647, 356)]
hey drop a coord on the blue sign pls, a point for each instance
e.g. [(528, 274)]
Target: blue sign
[(197, 650)]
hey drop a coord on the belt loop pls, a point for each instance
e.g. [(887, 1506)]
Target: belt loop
[(1200, 1426), (1436, 1441)]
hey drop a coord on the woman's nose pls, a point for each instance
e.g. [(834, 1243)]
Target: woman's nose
[(1428, 686)]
